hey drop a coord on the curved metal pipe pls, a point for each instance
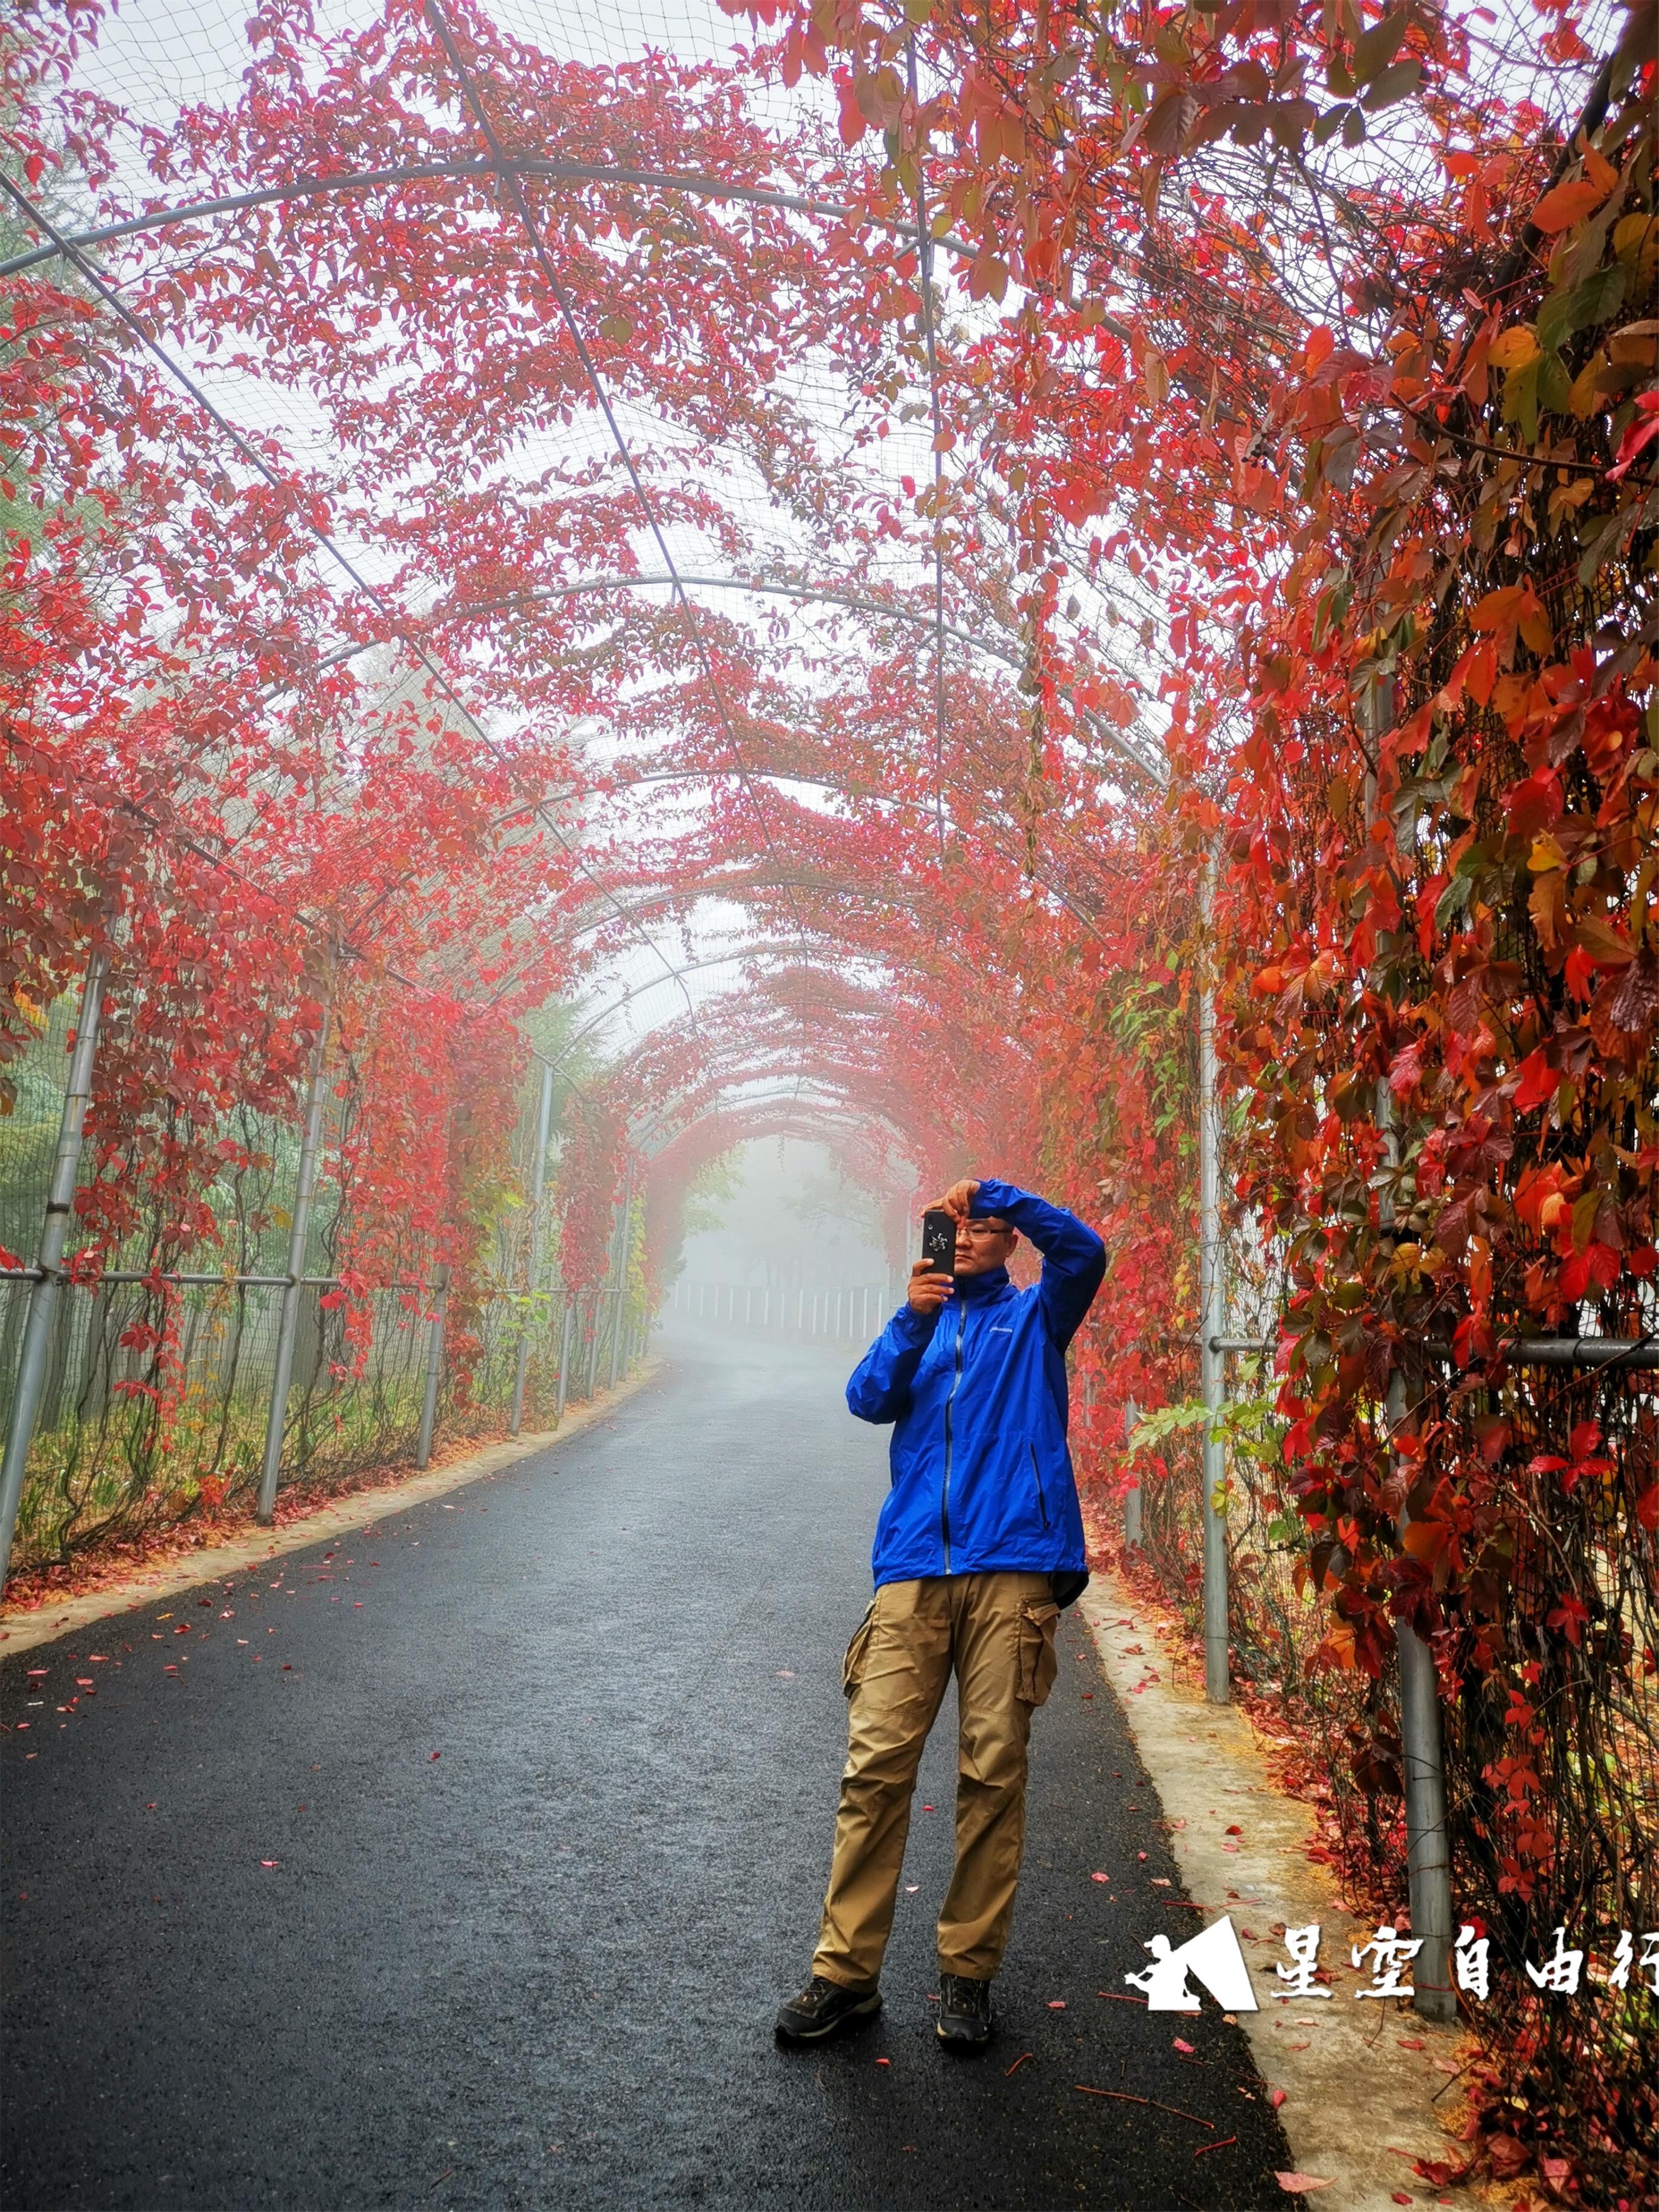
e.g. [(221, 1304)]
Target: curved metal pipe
[(411, 173)]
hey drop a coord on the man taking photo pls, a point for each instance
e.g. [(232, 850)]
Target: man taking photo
[(978, 1547)]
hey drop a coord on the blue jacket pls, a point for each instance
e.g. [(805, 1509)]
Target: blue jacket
[(976, 1394)]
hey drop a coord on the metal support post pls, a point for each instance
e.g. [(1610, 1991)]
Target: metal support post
[(435, 1368), (624, 1254), (532, 1271), (287, 1323), (593, 1344), (564, 1359), (1212, 1317), (1428, 1851), (54, 1232), (1131, 1497)]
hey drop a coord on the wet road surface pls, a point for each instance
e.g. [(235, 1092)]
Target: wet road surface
[(465, 1863)]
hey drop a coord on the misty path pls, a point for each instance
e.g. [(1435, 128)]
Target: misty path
[(465, 1863)]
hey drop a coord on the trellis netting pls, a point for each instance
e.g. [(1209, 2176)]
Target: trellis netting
[(157, 1391)]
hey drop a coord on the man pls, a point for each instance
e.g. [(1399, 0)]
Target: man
[(978, 1546)]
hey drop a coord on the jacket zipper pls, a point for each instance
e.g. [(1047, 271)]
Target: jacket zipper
[(1042, 1503), (955, 1380)]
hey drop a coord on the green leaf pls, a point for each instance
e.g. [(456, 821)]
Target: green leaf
[(1330, 122), (1375, 49), (1394, 84), (1571, 309), (1554, 385), (1520, 399)]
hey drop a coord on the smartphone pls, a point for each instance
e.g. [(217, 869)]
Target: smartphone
[(939, 1240)]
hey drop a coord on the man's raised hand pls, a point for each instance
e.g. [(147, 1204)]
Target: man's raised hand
[(928, 1289), (959, 1199)]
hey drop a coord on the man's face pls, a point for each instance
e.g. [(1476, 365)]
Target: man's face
[(983, 1243)]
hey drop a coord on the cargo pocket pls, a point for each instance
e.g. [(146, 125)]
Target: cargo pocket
[(851, 1667), (1039, 1662)]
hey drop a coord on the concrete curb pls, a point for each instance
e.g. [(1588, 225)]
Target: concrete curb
[(23, 1631), (1358, 2104)]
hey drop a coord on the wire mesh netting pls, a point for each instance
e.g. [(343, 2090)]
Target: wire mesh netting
[(157, 1393)]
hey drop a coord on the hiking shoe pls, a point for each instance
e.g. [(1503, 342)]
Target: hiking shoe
[(823, 2007), (964, 2012)]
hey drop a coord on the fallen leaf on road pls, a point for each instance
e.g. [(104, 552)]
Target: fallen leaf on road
[(1180, 2045), (1100, 1877), (884, 2062), (1234, 1830), (1275, 2098), (1411, 2043), (1402, 2196), (1057, 2004), (271, 1862), (1298, 2184), (1140, 1854), (911, 1888), (436, 1754)]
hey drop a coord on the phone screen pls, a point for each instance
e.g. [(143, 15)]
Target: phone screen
[(939, 1240)]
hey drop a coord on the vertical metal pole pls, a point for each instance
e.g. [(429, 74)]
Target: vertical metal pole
[(564, 1360), (54, 1232), (288, 1323), (434, 1367), (532, 1271), (1131, 1497), (1211, 1317), (624, 1254), (1428, 1850), (593, 1344)]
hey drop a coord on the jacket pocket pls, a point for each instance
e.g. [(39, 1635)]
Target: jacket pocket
[(1037, 1477), (1039, 1662), (852, 1667)]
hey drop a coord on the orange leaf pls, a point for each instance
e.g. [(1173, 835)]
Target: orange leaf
[(1568, 205)]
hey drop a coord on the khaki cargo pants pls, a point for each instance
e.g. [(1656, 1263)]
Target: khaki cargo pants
[(997, 1632)]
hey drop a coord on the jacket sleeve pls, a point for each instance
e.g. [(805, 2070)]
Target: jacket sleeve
[(879, 1389), (1073, 1256)]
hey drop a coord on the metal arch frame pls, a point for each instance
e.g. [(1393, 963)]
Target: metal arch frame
[(856, 890), (805, 1116), (835, 1103), (255, 460), (762, 951), (580, 173), (777, 589), (409, 172)]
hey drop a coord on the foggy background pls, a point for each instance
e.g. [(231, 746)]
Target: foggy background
[(778, 1214)]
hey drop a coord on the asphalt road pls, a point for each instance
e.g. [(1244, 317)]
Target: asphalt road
[(466, 1864)]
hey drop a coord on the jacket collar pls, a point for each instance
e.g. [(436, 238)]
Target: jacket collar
[(974, 1290)]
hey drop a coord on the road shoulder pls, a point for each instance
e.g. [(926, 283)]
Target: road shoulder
[(25, 1630), (1360, 2079)]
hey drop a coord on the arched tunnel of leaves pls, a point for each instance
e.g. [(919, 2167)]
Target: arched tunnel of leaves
[(808, 547)]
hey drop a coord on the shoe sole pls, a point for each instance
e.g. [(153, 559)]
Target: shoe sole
[(962, 2043), (867, 2008)]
